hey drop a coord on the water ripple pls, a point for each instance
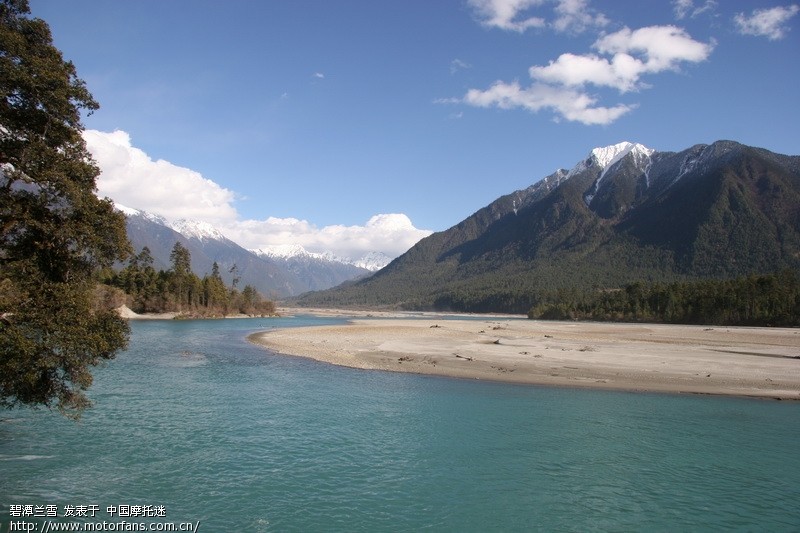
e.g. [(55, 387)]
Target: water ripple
[(246, 441)]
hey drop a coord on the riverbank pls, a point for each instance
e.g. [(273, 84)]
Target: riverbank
[(125, 312), (758, 362)]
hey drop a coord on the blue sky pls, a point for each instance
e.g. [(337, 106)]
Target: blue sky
[(357, 124)]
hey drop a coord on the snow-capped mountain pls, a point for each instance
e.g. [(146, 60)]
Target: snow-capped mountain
[(607, 156), (372, 261), (284, 251), (624, 213), (131, 212), (154, 232), (195, 229), (279, 272), (317, 271)]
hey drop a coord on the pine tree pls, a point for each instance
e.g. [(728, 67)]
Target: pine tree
[(181, 274), (214, 291)]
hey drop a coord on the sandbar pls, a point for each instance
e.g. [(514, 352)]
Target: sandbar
[(735, 361)]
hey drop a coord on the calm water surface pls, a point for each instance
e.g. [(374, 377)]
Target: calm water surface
[(217, 430)]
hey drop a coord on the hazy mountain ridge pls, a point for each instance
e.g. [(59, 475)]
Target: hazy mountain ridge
[(372, 261), (145, 229), (623, 214), (275, 275), (315, 271)]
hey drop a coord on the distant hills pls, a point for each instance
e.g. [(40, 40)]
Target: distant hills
[(625, 213), (275, 273), (320, 271)]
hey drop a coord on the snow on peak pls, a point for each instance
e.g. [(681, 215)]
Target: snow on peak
[(284, 251), (373, 261), (605, 157), (128, 211), (608, 155), (131, 212), (188, 228), (197, 230), (295, 251)]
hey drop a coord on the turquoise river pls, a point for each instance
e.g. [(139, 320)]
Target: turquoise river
[(193, 424)]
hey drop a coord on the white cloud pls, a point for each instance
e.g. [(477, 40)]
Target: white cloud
[(684, 8), (319, 75), (504, 14), (457, 64), (560, 86), (661, 47), (131, 178), (769, 23), (621, 72), (573, 16), (576, 16), (569, 104), (392, 234)]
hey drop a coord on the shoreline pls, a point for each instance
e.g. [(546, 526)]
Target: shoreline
[(730, 361), (125, 312)]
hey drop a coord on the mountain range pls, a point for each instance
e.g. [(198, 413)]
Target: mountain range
[(276, 273), (625, 213)]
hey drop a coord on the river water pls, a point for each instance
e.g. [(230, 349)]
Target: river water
[(195, 421)]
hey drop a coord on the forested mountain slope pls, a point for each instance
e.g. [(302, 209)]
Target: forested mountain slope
[(626, 213)]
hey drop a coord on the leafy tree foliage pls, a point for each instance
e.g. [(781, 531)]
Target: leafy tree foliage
[(141, 279), (55, 234), (181, 290)]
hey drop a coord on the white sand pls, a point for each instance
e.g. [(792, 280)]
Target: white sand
[(126, 312), (761, 362)]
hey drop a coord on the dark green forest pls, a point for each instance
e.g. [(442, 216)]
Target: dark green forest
[(771, 300), (182, 291), (753, 300)]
